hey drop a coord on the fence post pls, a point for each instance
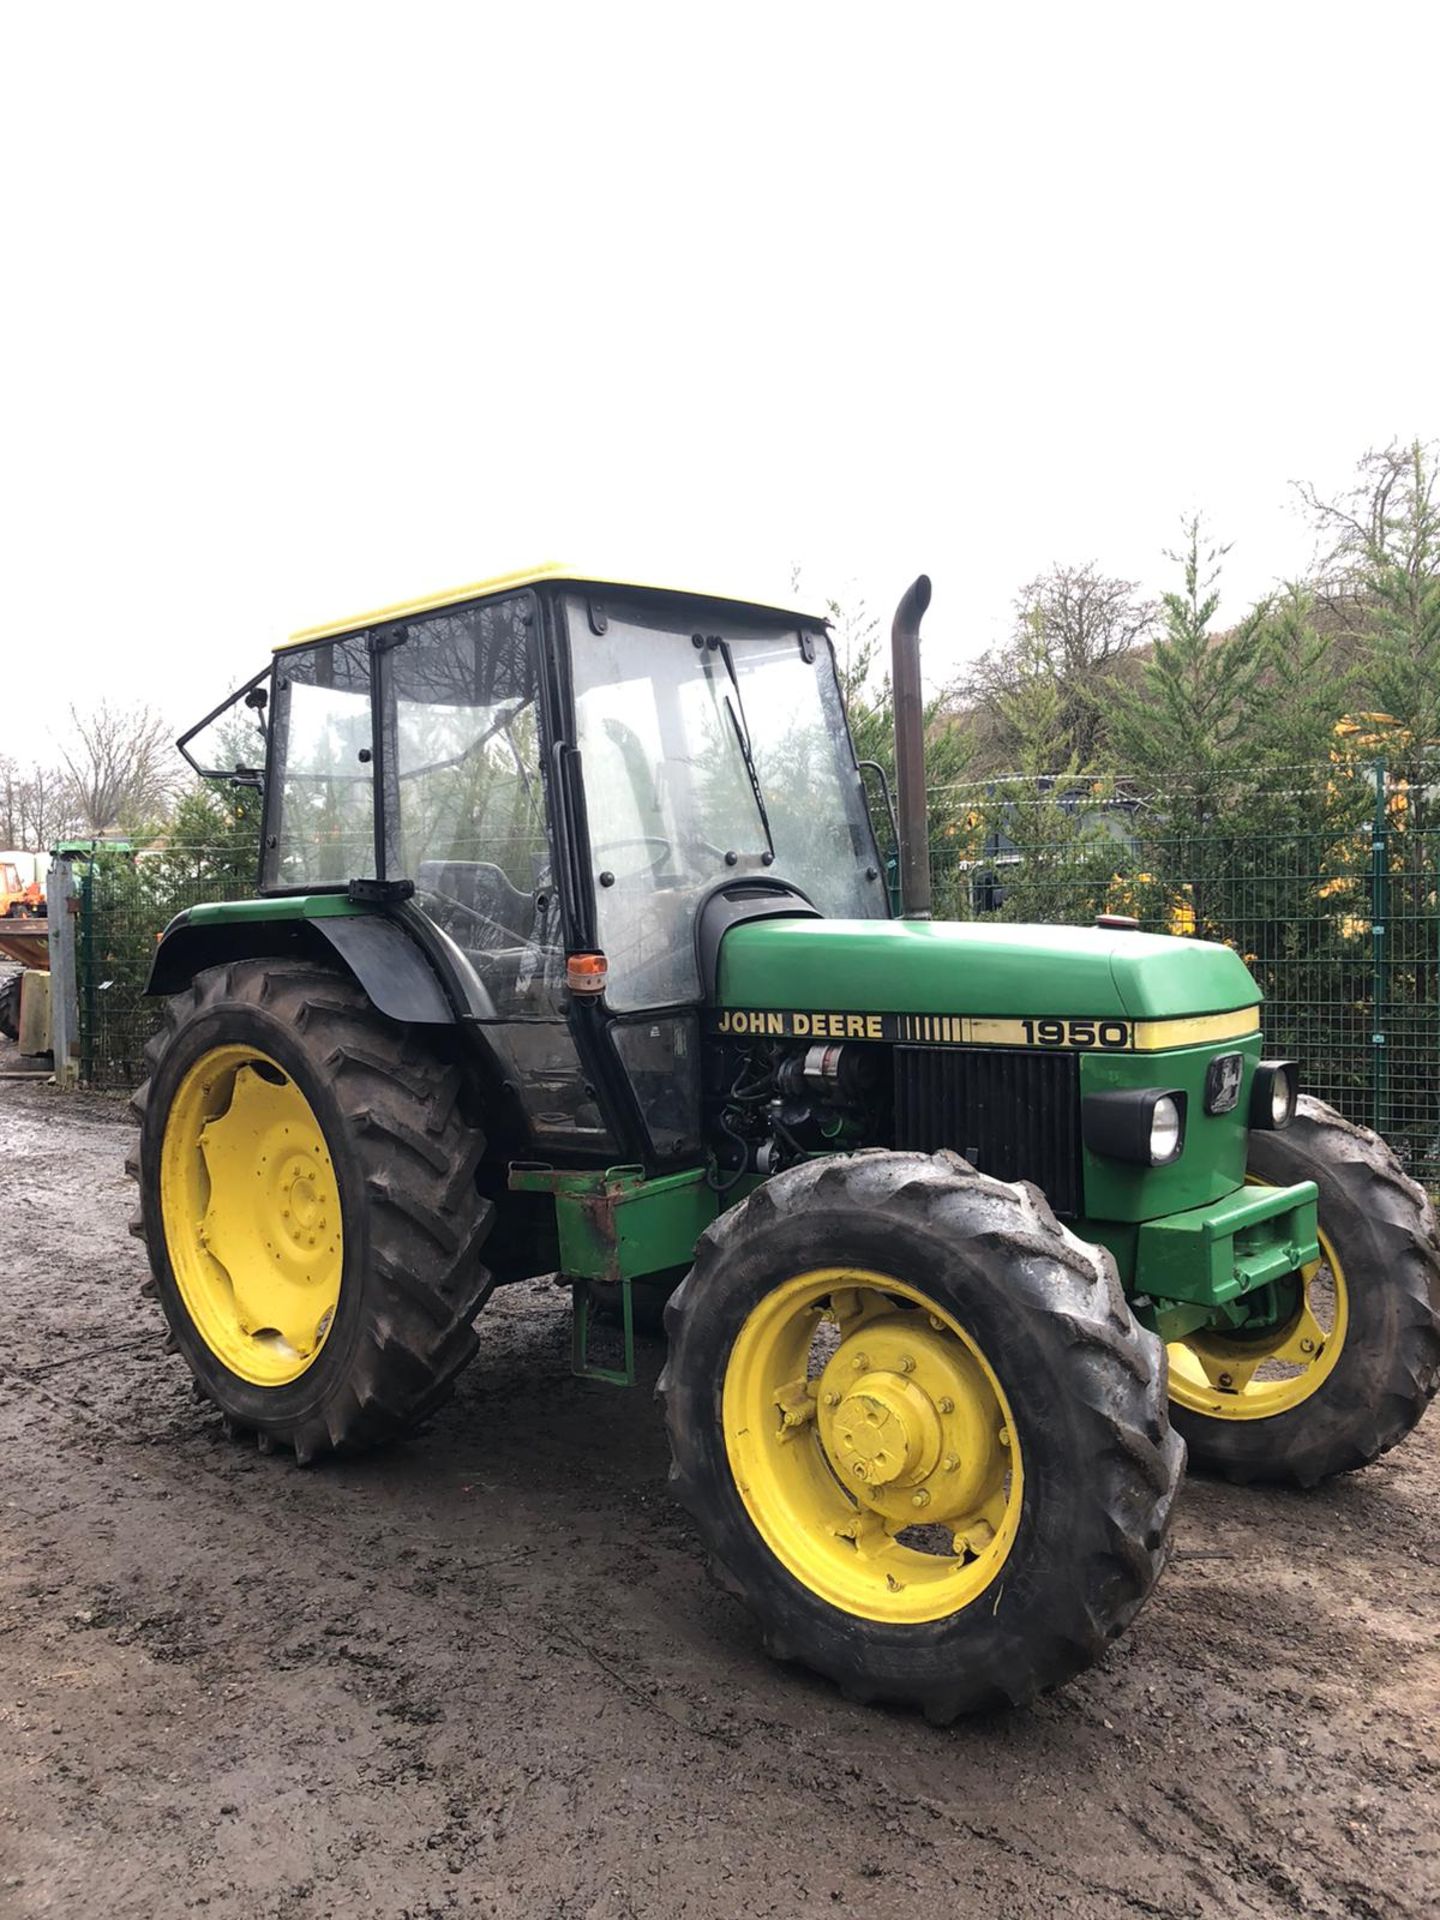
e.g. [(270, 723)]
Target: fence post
[(85, 969), (1379, 955), (60, 905)]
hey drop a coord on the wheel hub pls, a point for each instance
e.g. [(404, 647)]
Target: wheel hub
[(907, 1420), (303, 1213), (886, 1431)]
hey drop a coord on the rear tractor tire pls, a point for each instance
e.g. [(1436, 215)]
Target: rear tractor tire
[(309, 1205), (10, 1006), (1353, 1359), (921, 1434)]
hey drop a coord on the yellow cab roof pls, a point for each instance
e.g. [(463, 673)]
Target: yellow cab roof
[(549, 571)]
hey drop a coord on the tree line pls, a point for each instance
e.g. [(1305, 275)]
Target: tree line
[(1097, 679), (1272, 783), (1117, 752), (117, 773)]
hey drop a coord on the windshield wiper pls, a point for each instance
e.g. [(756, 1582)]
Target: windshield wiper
[(736, 710)]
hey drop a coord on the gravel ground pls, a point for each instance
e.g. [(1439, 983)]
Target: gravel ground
[(485, 1673)]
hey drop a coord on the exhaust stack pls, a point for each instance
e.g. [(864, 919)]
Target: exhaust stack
[(910, 750)]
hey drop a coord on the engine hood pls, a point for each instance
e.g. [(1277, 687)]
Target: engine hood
[(954, 967)]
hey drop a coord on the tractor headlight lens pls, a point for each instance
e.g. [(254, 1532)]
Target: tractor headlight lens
[(1167, 1130), (1146, 1126), (1272, 1100)]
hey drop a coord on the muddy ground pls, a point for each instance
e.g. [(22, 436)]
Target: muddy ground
[(486, 1674)]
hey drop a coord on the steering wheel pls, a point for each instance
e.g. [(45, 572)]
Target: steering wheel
[(643, 840)]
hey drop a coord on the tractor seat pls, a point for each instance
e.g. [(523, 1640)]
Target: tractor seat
[(484, 889)]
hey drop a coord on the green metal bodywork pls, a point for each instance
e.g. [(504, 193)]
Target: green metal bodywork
[(1199, 1268), (1213, 1163), (618, 1224), (941, 966), (614, 1227), (303, 906), (1214, 1254), (1005, 972)]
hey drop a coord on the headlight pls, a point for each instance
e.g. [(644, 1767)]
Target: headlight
[(1167, 1130), (1273, 1096), (1146, 1127)]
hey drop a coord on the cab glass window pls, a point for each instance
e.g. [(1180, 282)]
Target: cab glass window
[(818, 815), (465, 799), (711, 746), (669, 801), (321, 828)]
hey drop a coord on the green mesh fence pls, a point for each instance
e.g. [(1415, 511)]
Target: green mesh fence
[(1323, 879), (125, 903)]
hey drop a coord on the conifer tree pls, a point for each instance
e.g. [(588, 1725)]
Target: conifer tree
[(1185, 740), (1190, 720), (1382, 575)]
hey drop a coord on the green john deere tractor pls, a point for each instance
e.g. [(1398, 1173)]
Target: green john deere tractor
[(572, 953)]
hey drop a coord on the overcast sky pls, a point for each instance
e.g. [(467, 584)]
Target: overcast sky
[(310, 307)]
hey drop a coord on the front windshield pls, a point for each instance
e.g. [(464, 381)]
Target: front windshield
[(664, 713), (808, 776)]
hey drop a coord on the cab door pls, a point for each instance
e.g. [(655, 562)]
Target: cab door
[(464, 815)]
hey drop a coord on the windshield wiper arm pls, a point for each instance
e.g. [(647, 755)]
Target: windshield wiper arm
[(736, 710)]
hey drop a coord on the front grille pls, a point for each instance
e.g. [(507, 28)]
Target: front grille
[(1013, 1114)]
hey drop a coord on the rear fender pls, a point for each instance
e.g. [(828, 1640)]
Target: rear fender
[(376, 951)]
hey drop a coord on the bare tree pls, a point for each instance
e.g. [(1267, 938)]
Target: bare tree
[(1390, 517), (35, 806), (9, 802), (1072, 626), (47, 808), (122, 769)]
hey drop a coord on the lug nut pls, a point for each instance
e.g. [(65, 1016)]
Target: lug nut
[(1227, 1380), (907, 1365), (920, 1499), (861, 1362), (1003, 1436), (832, 1399), (1307, 1346), (946, 1404), (937, 1323), (952, 1461)]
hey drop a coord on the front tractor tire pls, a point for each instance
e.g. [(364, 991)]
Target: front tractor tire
[(309, 1205), (922, 1436), (1351, 1357)]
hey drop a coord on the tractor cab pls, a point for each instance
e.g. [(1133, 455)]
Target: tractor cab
[(20, 895), (559, 777)]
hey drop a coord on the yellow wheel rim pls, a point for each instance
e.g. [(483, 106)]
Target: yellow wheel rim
[(251, 1213), (1255, 1378), (872, 1445)]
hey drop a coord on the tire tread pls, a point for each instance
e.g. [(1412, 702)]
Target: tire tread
[(424, 1282)]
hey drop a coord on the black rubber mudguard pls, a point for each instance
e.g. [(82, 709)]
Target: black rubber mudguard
[(378, 952)]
